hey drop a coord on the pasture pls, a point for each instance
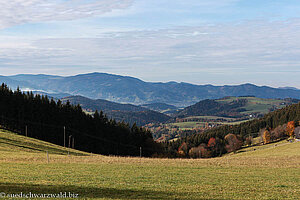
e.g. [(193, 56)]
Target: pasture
[(269, 172)]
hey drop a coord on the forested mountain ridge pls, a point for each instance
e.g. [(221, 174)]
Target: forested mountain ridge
[(120, 112), (124, 89), (100, 104)]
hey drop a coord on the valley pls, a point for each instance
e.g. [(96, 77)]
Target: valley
[(208, 114)]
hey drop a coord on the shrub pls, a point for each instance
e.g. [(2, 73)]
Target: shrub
[(279, 132), (200, 152), (232, 143)]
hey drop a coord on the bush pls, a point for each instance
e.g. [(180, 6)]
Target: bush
[(279, 132), (233, 143), (200, 152)]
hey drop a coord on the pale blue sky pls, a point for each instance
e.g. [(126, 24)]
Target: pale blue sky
[(203, 42)]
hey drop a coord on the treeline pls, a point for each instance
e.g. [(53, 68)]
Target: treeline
[(216, 141), (45, 119)]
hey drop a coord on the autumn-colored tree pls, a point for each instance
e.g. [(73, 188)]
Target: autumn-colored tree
[(200, 152), (290, 128), (267, 137), (183, 149), (232, 143), (279, 132), (211, 143)]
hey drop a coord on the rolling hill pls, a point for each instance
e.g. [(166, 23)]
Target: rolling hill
[(12, 142), (235, 107), (120, 112), (125, 89)]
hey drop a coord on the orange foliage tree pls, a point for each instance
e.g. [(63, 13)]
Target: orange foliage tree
[(211, 142), (267, 137), (183, 149), (290, 128)]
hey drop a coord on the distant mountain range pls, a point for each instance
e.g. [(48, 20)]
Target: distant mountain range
[(120, 112), (124, 89)]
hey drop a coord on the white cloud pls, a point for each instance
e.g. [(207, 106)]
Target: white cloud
[(249, 51), (14, 12), (247, 44)]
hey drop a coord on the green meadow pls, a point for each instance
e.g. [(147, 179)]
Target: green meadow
[(263, 172)]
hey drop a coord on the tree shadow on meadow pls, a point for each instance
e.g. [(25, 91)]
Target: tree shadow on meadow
[(84, 192)]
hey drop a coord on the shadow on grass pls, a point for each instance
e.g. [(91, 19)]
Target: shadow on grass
[(85, 192)]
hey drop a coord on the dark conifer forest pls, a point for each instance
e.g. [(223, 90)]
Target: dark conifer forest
[(67, 125)]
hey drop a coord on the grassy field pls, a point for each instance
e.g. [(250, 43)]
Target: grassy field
[(192, 125), (210, 117), (258, 105), (187, 125), (269, 172)]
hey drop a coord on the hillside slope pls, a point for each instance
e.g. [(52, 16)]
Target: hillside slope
[(124, 89), (120, 112), (235, 107), (13, 142), (270, 173)]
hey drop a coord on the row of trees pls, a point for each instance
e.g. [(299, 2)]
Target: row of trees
[(45, 119), (280, 132)]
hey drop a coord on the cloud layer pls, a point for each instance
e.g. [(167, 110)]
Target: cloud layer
[(237, 52), (157, 40), (14, 12)]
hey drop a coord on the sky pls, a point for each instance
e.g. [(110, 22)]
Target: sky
[(196, 41)]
